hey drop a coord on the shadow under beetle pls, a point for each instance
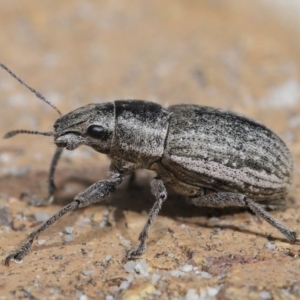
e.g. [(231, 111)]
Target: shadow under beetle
[(193, 149)]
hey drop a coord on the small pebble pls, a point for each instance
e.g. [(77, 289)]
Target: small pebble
[(88, 272), (155, 278), (212, 291), (176, 273), (68, 238), (270, 245), (125, 243), (80, 223), (41, 242), (192, 295), (124, 285), (102, 224), (265, 295), (129, 266), (206, 275), (130, 278), (107, 258), (41, 217), (203, 294), (83, 222), (20, 217), (69, 230), (141, 267), (187, 268)]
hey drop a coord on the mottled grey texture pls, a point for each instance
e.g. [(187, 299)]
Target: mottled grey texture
[(71, 130), (193, 149), (140, 134), (223, 151)]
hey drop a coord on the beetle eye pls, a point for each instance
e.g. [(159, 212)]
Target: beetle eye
[(97, 132)]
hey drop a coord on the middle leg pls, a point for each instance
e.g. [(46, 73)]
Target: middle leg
[(159, 191)]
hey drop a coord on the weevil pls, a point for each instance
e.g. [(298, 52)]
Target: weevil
[(211, 156)]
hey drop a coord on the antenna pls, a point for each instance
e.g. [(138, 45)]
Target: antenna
[(19, 131), (38, 94)]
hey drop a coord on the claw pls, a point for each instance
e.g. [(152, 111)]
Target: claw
[(18, 255), (136, 251), (7, 260), (13, 257)]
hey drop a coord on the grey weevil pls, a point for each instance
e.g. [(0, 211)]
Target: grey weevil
[(213, 157)]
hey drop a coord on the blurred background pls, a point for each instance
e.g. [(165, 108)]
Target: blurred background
[(238, 55)]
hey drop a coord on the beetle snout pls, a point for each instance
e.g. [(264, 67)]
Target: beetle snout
[(60, 142), (69, 140)]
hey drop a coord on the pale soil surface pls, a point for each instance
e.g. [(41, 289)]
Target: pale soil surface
[(242, 57)]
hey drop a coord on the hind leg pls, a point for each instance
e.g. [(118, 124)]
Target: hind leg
[(234, 199)]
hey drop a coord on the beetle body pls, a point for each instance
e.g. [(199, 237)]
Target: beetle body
[(190, 147), (213, 157)]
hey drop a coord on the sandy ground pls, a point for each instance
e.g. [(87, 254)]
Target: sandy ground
[(229, 54)]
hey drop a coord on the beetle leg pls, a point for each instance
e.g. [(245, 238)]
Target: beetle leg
[(235, 199), (95, 193), (259, 211), (159, 191), (51, 185)]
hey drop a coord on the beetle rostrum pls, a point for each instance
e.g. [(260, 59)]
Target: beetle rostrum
[(213, 157)]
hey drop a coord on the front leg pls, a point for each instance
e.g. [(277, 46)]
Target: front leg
[(159, 191), (95, 193), (51, 185)]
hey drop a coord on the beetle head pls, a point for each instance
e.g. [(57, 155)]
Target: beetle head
[(91, 125)]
